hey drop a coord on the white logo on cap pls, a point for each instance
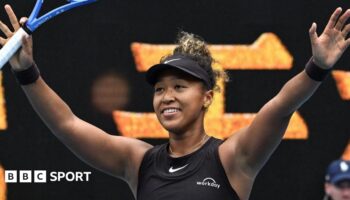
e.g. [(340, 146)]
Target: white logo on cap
[(344, 167), (168, 61)]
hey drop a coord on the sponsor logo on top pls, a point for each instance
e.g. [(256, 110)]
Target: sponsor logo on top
[(208, 182)]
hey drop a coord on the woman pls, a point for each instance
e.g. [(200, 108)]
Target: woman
[(192, 164)]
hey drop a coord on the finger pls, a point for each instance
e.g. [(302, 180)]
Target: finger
[(5, 29), (12, 17), (312, 33), (23, 20), (340, 24), (332, 21), (346, 30), (27, 44), (347, 43), (2, 41)]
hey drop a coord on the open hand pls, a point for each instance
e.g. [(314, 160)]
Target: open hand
[(331, 44)]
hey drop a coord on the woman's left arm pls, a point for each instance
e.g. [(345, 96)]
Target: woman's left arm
[(249, 149)]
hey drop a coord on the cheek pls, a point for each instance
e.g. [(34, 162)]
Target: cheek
[(155, 102), (195, 102)]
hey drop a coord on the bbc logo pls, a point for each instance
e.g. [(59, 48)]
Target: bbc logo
[(41, 176), (25, 176)]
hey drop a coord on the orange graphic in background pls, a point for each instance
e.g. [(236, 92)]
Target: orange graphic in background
[(266, 53), (3, 123), (342, 80), (2, 184), (346, 154)]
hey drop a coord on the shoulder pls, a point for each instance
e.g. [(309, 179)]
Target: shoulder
[(136, 151), (151, 154)]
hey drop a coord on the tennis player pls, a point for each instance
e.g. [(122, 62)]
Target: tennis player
[(192, 165)]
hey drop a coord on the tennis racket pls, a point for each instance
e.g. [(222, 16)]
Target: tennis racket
[(32, 24)]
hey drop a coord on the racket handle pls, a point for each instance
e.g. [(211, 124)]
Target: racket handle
[(11, 47)]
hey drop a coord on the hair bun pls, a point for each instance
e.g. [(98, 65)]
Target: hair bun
[(194, 46)]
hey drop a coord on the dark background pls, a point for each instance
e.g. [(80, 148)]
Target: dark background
[(73, 49)]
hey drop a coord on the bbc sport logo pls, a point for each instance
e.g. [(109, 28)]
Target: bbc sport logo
[(42, 176)]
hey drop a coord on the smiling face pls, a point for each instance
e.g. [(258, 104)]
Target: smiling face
[(340, 191), (179, 101)]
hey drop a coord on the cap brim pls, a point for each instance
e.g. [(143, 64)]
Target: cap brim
[(341, 177), (154, 71)]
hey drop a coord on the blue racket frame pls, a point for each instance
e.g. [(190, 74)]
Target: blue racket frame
[(15, 42), (34, 22)]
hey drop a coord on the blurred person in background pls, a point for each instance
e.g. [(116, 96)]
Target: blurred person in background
[(337, 185)]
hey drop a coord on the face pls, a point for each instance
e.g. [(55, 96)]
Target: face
[(340, 191), (179, 101)]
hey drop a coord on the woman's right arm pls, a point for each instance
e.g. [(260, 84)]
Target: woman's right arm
[(115, 155), (111, 154)]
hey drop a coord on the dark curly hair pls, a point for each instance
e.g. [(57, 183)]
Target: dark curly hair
[(194, 47)]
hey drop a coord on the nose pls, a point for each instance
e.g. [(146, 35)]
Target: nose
[(168, 96)]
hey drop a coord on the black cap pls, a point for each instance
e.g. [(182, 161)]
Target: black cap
[(183, 63)]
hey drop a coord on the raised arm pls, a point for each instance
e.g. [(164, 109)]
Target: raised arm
[(244, 153), (115, 155)]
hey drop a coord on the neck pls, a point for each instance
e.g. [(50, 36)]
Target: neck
[(181, 145)]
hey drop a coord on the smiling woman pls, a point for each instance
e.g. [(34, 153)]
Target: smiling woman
[(184, 84)]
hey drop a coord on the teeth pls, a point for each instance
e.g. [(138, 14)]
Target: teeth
[(170, 110)]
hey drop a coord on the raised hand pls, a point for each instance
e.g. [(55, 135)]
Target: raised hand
[(331, 44), (24, 57)]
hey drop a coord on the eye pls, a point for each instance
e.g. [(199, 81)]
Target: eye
[(158, 89), (178, 87)]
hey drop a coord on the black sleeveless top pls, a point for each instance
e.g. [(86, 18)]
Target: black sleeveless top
[(199, 175)]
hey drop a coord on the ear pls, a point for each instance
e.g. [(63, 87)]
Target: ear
[(208, 98), (327, 188)]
